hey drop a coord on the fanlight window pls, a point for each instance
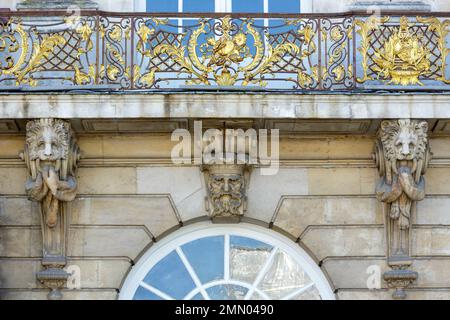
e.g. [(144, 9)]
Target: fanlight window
[(210, 262)]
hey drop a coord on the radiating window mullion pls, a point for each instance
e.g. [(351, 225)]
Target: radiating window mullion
[(261, 274), (159, 293), (226, 260), (192, 273), (297, 292)]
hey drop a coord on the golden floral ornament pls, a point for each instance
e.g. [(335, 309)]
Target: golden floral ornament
[(225, 57), (403, 58)]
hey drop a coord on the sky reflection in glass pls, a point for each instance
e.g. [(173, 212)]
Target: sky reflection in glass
[(206, 257), (171, 277), (267, 270)]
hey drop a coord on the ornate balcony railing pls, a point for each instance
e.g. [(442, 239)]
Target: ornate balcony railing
[(114, 51)]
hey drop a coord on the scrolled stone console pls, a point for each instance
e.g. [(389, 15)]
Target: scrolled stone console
[(402, 155), (51, 155)]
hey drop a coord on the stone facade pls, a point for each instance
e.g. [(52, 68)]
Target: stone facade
[(331, 209), (347, 188)]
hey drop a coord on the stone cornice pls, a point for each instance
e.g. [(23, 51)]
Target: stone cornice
[(250, 106)]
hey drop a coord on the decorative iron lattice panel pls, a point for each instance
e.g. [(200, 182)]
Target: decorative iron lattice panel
[(107, 51)]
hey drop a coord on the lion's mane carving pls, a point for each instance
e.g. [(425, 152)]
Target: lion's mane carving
[(43, 134), (404, 139)]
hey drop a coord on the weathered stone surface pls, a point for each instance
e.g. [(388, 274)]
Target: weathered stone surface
[(297, 213), (95, 274), (351, 274), (143, 146), (154, 212), (440, 147), (12, 181), (437, 180), (413, 294), (345, 241), (55, 4), (18, 212), (341, 181), (433, 273), (107, 181), (19, 273), (10, 147), (364, 294), (265, 191), (20, 242), (356, 273), (386, 5), (433, 210), (107, 241), (101, 274), (87, 294), (299, 147), (184, 184), (431, 241), (226, 106)]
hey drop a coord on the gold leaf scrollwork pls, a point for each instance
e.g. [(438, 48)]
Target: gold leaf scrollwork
[(225, 58), (85, 31), (144, 33), (13, 67), (82, 78), (441, 28), (116, 34), (365, 27), (339, 73), (225, 51), (112, 71), (148, 78), (40, 51)]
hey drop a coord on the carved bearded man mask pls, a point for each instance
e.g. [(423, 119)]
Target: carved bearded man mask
[(226, 191), (226, 188)]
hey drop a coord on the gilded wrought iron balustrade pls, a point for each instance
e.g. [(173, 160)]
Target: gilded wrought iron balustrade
[(115, 51)]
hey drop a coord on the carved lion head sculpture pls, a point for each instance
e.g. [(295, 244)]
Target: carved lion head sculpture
[(48, 139), (404, 139)]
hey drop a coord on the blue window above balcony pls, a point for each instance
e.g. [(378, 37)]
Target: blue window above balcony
[(236, 6)]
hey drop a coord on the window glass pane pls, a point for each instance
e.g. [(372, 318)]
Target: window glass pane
[(248, 6), (206, 257), (283, 277), (284, 6), (198, 5), (227, 292), (171, 277), (247, 256), (162, 5), (144, 294), (198, 296), (309, 294), (256, 296)]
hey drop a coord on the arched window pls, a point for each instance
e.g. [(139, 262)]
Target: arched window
[(225, 262)]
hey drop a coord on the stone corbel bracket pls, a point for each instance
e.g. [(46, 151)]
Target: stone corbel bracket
[(402, 154), (51, 155), (226, 185)]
